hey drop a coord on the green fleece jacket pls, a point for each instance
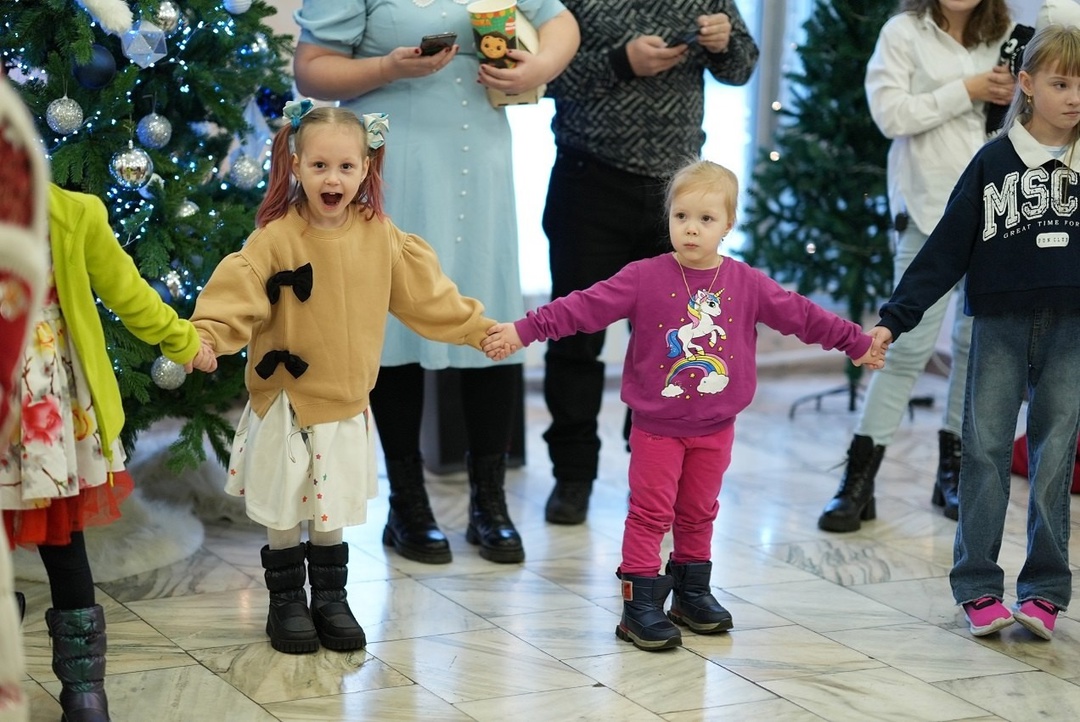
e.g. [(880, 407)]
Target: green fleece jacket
[(87, 259)]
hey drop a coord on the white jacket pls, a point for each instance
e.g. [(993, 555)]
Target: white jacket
[(915, 88)]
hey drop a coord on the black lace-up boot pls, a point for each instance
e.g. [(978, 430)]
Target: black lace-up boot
[(854, 500), (410, 525), (489, 522), (947, 484)]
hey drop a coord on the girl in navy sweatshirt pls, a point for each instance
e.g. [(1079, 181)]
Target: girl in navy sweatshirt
[(1012, 226)]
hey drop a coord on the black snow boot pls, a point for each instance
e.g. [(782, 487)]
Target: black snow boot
[(328, 570), (692, 602), (643, 622), (288, 623)]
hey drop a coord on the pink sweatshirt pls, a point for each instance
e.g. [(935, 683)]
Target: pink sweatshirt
[(690, 364)]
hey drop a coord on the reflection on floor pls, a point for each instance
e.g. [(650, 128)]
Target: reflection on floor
[(836, 627)]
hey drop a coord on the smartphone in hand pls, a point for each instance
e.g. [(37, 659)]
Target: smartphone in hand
[(431, 44), (689, 37)]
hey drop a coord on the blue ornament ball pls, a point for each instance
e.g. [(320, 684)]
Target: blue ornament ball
[(99, 71), (272, 104)]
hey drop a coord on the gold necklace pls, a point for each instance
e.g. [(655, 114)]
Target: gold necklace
[(683, 273)]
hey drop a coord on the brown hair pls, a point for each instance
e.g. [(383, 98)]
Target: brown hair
[(988, 22), (1055, 48), (700, 176), (282, 189)]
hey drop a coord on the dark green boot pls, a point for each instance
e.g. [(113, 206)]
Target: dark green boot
[(78, 639)]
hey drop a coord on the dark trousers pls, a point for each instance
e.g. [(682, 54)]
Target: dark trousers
[(489, 400), (597, 219)]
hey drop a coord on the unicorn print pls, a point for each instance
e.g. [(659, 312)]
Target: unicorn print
[(704, 307)]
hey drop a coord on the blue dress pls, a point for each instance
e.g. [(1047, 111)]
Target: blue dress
[(448, 173)]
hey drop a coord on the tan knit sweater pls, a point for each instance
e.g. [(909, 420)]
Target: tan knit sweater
[(359, 273)]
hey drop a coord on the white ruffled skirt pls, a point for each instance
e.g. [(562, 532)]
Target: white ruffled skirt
[(323, 474)]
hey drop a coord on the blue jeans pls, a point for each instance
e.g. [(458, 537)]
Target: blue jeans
[(1037, 351), (890, 388)]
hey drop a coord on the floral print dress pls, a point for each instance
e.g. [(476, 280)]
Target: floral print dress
[(54, 478)]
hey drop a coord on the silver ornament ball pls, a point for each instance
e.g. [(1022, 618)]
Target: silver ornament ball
[(64, 115), (187, 208), (246, 172), (167, 374), (154, 131), (237, 7), (167, 17), (132, 168), (153, 186)]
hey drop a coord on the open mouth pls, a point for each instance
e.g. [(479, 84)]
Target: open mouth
[(331, 199)]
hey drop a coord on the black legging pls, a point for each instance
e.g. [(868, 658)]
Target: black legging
[(70, 579), (489, 398)]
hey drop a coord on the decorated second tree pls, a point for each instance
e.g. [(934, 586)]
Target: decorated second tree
[(162, 109), (818, 214)]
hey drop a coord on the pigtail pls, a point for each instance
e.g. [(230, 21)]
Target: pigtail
[(370, 194), (275, 204)]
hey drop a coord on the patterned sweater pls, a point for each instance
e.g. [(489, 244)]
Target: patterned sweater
[(647, 126), (311, 306)]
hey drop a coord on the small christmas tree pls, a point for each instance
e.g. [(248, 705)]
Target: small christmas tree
[(818, 212), (161, 109)]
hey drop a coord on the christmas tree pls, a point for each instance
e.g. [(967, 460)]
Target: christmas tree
[(818, 211), (163, 109)]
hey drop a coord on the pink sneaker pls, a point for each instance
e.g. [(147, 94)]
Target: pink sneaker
[(1038, 615), (987, 615)]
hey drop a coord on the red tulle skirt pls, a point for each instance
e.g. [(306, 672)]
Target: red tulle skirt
[(52, 525)]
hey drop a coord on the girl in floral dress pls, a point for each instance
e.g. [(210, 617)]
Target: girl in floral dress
[(63, 467)]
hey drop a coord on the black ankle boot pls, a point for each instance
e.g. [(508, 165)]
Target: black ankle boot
[(854, 500), (489, 521), (947, 484), (78, 639), (568, 502), (410, 525), (692, 603), (20, 600), (643, 622), (288, 624), (328, 570)]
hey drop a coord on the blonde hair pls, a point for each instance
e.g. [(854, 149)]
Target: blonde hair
[(1054, 48), (700, 176)]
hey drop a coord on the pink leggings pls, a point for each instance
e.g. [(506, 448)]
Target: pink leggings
[(674, 485)]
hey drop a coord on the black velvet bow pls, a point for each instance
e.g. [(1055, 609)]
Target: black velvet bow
[(300, 280), (293, 364)]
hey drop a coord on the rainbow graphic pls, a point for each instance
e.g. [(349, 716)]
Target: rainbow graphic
[(704, 363)]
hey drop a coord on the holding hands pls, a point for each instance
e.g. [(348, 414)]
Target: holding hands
[(502, 340), (874, 357), (205, 360)]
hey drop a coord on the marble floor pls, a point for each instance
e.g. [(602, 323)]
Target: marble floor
[(827, 627)]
